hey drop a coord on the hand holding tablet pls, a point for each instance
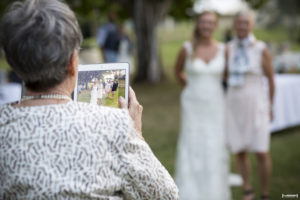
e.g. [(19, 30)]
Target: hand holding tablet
[(135, 110), (108, 84)]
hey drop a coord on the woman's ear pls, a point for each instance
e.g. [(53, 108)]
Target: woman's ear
[(73, 64)]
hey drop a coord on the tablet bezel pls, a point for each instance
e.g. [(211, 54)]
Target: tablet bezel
[(104, 67)]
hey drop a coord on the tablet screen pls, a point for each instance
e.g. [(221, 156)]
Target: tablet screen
[(102, 84)]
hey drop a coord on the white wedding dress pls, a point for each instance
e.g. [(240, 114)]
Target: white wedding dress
[(202, 158), (94, 95)]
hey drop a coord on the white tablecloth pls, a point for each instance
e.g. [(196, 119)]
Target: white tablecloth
[(286, 102)]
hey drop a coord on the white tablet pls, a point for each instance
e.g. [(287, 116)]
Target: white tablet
[(102, 84)]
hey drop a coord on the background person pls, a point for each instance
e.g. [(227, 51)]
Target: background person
[(55, 148), (249, 110), (202, 165), (109, 39), (94, 92), (125, 53), (108, 88), (100, 91), (114, 87)]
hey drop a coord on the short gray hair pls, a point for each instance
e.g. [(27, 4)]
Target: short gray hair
[(247, 13), (38, 38)]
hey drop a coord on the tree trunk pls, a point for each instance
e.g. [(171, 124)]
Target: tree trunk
[(147, 14)]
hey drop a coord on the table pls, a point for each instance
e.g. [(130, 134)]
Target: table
[(286, 102)]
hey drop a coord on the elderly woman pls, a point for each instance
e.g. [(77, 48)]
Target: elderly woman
[(249, 108), (54, 148)]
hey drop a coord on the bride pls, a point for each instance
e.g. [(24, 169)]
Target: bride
[(94, 94), (202, 165)]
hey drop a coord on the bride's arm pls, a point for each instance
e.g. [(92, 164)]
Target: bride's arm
[(179, 67)]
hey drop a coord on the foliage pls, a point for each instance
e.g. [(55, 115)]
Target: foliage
[(290, 7), (286, 14), (256, 4), (146, 15), (87, 9), (3, 6), (87, 76), (124, 8), (179, 9)]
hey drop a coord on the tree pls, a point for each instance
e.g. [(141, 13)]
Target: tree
[(146, 15), (256, 4)]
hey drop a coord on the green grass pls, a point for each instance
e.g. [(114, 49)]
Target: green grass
[(286, 165), (110, 100), (161, 118), (161, 122), (113, 100)]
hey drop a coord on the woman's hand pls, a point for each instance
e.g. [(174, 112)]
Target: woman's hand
[(135, 110)]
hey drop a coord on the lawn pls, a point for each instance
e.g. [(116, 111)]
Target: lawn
[(161, 122), (85, 96), (161, 119)]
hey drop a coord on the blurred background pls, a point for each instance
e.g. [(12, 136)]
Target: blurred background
[(156, 30)]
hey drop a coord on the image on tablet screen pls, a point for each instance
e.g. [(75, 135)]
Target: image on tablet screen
[(102, 87)]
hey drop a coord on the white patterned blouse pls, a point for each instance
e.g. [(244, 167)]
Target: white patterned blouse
[(77, 151)]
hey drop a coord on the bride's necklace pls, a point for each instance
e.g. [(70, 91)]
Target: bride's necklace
[(47, 96)]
